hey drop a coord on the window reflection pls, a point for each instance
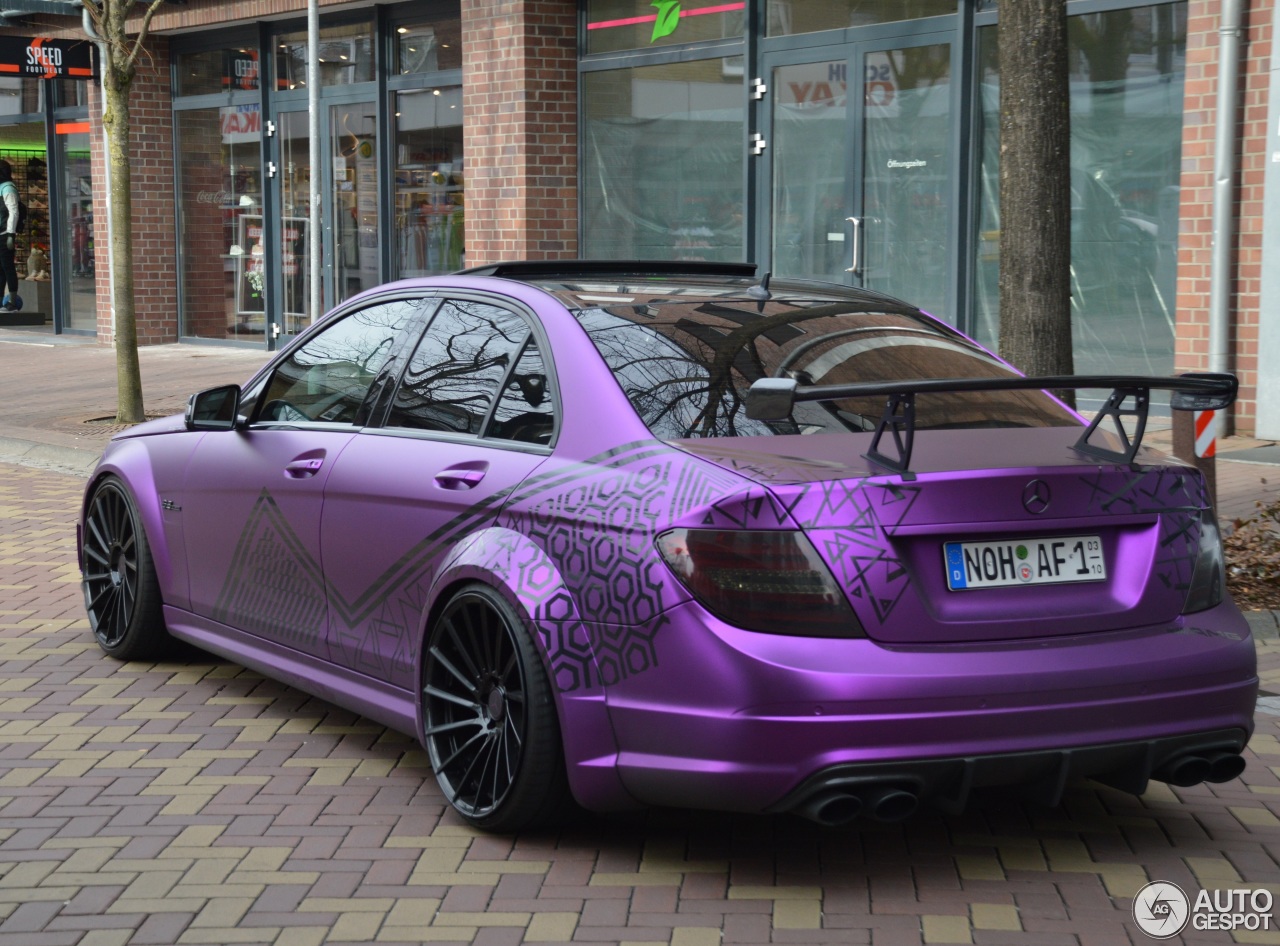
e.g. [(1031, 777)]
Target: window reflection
[(458, 368), (662, 155), (787, 17), (1127, 74), (220, 221), (345, 56), (687, 370), (328, 378)]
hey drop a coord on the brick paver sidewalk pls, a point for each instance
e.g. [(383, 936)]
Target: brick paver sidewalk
[(195, 802)]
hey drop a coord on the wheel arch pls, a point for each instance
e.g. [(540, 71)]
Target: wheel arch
[(529, 581), (134, 470)]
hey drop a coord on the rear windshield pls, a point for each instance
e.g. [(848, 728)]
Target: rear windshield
[(686, 368)]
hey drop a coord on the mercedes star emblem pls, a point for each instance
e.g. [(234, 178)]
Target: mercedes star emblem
[(1035, 496)]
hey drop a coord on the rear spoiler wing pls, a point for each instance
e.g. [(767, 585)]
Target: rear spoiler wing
[(774, 398)]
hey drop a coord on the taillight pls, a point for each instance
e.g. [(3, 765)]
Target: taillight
[(1209, 577), (760, 581)]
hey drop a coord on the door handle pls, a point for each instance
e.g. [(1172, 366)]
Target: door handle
[(856, 268), (461, 477), (301, 469)]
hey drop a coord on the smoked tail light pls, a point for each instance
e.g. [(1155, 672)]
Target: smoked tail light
[(769, 581), (1209, 577)]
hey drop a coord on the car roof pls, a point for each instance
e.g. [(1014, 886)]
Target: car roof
[(583, 284)]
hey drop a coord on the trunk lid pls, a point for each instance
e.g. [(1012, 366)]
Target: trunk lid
[(994, 501)]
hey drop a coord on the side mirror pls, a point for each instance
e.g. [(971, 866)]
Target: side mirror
[(214, 409)]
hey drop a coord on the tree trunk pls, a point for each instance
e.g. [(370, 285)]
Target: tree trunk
[(1035, 187), (119, 53), (115, 121)]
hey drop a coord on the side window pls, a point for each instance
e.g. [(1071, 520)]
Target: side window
[(327, 379), (455, 374), (525, 411)]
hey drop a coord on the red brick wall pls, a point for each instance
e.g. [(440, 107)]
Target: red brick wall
[(520, 105), (1195, 239), (154, 244)]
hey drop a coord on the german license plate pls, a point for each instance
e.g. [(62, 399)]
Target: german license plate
[(972, 565)]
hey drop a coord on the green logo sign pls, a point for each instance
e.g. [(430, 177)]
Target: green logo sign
[(668, 18)]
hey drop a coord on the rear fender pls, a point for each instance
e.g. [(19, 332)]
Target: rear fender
[(531, 583)]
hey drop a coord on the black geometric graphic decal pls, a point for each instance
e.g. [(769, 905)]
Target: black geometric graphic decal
[(1178, 496), (273, 587), (575, 543)]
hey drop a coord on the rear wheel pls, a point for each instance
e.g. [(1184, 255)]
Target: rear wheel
[(121, 593), (490, 719)]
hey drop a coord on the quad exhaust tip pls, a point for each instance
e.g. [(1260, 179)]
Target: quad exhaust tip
[(1192, 769), (890, 801), (837, 807)]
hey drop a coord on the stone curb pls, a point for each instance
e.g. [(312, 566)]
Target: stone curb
[(77, 461)]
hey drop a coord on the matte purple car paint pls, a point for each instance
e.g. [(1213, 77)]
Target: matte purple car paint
[(659, 701)]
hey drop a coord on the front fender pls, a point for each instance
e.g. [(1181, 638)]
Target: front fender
[(151, 468), (532, 584)]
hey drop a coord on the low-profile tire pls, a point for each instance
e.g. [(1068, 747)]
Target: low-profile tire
[(121, 592), (489, 716)]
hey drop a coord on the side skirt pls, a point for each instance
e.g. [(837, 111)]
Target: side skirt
[(380, 702)]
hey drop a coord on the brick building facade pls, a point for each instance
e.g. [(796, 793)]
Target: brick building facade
[(523, 82)]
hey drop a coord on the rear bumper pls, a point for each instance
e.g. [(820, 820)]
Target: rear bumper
[(1041, 776), (754, 722)]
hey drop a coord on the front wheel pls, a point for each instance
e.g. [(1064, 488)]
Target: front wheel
[(121, 592), (491, 730)]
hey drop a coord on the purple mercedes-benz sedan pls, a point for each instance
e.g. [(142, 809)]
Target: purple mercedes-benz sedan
[(671, 534)]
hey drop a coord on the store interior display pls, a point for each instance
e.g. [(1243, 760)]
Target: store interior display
[(31, 176)]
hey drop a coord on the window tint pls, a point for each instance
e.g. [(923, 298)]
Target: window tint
[(525, 411), (327, 379), (686, 369), (458, 368)]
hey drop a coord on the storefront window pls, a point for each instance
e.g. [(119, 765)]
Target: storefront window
[(787, 17), (662, 162), (346, 56), (429, 47), (429, 182), (22, 96), (1127, 74), (78, 269), (613, 25), (218, 70), (220, 221)]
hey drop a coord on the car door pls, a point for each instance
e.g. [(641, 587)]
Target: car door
[(252, 498), (472, 416)]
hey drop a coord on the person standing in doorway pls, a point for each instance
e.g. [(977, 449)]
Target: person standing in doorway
[(9, 239)]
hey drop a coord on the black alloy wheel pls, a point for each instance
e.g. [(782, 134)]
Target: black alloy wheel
[(490, 719), (121, 593)]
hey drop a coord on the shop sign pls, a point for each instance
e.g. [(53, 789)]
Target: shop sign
[(44, 58), (241, 124), (827, 85), (241, 70)]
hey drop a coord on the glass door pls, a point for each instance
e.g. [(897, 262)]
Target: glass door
[(349, 180), (293, 303), (861, 184), (353, 152)]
